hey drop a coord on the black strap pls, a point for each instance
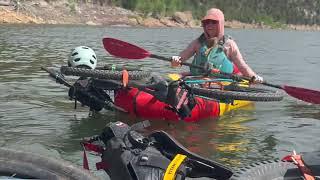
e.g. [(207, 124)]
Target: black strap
[(158, 162), (135, 103), (153, 161)]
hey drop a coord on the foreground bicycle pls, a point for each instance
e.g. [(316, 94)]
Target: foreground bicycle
[(127, 154)]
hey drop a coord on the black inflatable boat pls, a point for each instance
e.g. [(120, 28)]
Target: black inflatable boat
[(127, 154)]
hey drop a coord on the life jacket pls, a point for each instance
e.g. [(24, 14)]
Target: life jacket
[(215, 58)]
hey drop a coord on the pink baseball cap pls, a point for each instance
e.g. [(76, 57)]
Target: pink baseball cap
[(213, 14)]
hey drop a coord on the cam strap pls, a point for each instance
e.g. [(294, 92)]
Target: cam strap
[(183, 99), (92, 147), (95, 148), (298, 161), (113, 67), (174, 165), (85, 163), (210, 84)]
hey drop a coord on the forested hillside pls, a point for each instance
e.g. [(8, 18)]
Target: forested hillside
[(249, 11)]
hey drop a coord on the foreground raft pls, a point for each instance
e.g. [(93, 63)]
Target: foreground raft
[(158, 155)]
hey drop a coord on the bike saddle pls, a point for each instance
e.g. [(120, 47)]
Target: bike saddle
[(200, 166)]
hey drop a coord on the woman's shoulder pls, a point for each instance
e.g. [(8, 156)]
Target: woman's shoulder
[(229, 42), (227, 39), (230, 46)]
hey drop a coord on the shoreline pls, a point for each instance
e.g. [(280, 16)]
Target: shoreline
[(35, 12)]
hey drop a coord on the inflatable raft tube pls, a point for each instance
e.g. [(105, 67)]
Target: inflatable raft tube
[(144, 105)]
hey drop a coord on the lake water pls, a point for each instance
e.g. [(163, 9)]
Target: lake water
[(36, 115)]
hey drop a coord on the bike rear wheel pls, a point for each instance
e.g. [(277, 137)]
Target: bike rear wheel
[(234, 92)]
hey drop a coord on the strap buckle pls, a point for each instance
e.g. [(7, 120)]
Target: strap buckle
[(173, 167)]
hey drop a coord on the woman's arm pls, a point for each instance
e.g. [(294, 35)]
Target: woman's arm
[(190, 50)]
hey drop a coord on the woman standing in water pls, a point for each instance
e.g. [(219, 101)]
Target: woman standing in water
[(215, 49)]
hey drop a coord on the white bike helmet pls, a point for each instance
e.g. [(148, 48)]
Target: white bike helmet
[(83, 56)]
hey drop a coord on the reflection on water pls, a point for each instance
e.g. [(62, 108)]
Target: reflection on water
[(304, 110), (36, 110)]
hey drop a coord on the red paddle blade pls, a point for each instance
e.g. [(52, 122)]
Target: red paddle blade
[(307, 95), (123, 49)]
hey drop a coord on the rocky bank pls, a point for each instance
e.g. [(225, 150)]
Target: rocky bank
[(64, 12)]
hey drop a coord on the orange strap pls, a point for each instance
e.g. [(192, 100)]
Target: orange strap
[(125, 78), (208, 84), (304, 170), (297, 160)]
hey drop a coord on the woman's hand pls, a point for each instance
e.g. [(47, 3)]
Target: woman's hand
[(176, 61), (257, 79)]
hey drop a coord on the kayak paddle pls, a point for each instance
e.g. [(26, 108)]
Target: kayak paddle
[(126, 50)]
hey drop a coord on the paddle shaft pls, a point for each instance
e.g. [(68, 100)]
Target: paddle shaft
[(273, 85), (227, 75), (238, 77), (169, 59), (231, 76)]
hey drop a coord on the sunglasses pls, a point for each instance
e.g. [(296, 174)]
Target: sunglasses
[(206, 22)]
